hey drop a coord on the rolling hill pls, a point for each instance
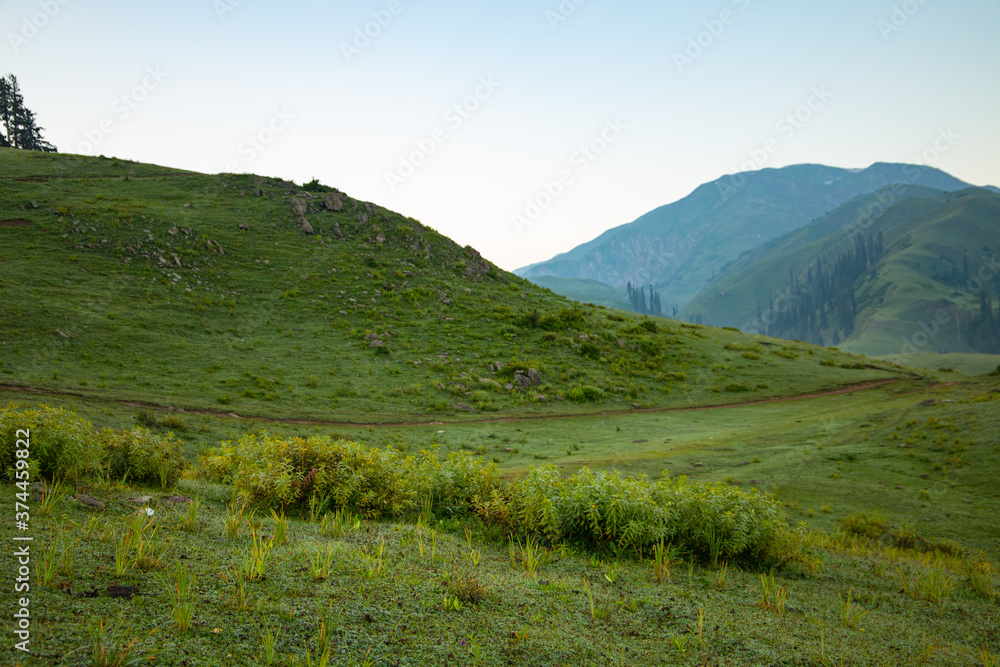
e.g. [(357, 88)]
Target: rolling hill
[(932, 286), (241, 294), (680, 247)]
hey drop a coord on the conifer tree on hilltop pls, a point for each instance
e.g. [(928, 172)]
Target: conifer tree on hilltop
[(18, 128)]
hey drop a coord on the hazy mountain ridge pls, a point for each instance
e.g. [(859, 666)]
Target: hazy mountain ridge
[(680, 247)]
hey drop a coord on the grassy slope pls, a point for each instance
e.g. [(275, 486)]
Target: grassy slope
[(920, 231), (833, 455), (731, 299), (905, 279), (275, 324)]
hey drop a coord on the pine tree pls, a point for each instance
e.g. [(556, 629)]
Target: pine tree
[(18, 127)]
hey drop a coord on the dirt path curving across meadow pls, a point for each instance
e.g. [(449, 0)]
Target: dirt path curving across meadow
[(143, 405)]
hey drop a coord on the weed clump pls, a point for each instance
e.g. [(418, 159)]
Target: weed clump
[(142, 455), (62, 444)]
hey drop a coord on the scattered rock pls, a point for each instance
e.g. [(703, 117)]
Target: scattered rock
[(61, 334), (375, 344), (925, 476), (464, 408), (173, 231), (244, 226), (371, 336), (535, 376), (334, 202), (362, 218), (924, 404), (508, 386), (142, 500), (127, 592), (93, 503), (306, 227), (188, 205), (639, 441)]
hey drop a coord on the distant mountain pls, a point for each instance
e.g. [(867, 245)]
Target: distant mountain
[(680, 247), (903, 270)]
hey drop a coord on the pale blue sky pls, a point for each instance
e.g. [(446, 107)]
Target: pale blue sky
[(228, 70)]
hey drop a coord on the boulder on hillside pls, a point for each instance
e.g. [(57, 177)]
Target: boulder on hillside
[(334, 202), (92, 503)]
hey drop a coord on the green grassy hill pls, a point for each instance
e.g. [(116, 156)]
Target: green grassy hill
[(929, 238), (134, 282)]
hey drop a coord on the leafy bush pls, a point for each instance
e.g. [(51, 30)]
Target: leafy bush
[(146, 457), (274, 471), (286, 472), (607, 510), (720, 521), (62, 444), (452, 486), (592, 509), (865, 524), (590, 351)]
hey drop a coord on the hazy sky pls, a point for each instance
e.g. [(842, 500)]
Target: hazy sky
[(522, 128)]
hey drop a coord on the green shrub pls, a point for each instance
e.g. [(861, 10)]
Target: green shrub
[(605, 510), (345, 474), (590, 351), (453, 486), (285, 472), (723, 522), (592, 509), (585, 393), (737, 387), (146, 457), (62, 444), (865, 524)]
